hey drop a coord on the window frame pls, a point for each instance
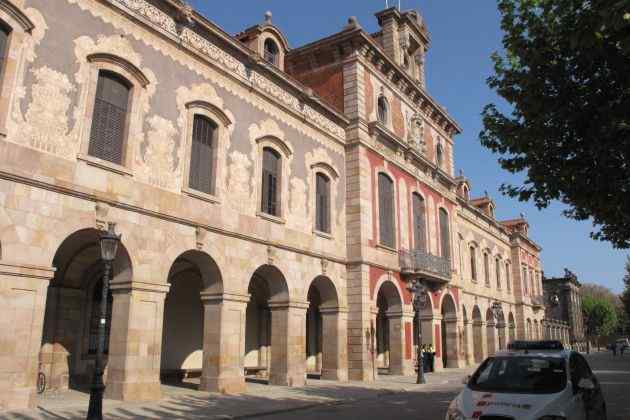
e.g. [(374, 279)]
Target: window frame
[(393, 246), (286, 155), (425, 242), (474, 273), (497, 268), (329, 172), (126, 70), (224, 124), (449, 246), (507, 277), (326, 227), (486, 268)]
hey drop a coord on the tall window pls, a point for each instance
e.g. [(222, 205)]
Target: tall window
[(419, 225), (486, 268), (271, 182), (445, 236), (473, 263), (507, 277), (271, 51), (386, 210), (383, 109), (322, 203), (4, 44), (109, 120), (439, 155), (525, 279), (202, 157), (497, 264)]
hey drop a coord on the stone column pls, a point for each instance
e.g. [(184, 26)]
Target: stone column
[(288, 343), (399, 364), (491, 333), (480, 341), (135, 343), (502, 343), (469, 344), (334, 344), (22, 306), (223, 343), (454, 355)]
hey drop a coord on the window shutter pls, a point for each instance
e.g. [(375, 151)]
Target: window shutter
[(507, 277), (419, 224), (386, 210), (486, 269), (322, 210), (445, 234), (109, 119), (271, 176), (497, 263), (202, 155)]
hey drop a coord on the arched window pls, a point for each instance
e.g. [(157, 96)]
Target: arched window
[(271, 172), (473, 263), (5, 32), (271, 51), (524, 280), (109, 120), (419, 223), (322, 203), (445, 235), (439, 155), (202, 154), (386, 210), (497, 263), (383, 109), (486, 268)]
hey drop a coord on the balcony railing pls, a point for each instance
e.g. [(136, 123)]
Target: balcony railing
[(418, 262)]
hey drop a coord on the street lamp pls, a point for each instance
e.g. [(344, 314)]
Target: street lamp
[(109, 241), (419, 290)]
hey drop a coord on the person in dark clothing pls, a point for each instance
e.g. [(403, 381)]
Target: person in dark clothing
[(614, 349)]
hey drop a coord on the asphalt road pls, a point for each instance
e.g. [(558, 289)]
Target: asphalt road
[(614, 375)]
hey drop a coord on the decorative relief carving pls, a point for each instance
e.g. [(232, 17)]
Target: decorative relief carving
[(218, 56), (416, 133), (45, 126), (238, 183), (155, 158)]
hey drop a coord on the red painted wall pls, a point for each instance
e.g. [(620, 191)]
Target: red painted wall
[(408, 340), (438, 342)]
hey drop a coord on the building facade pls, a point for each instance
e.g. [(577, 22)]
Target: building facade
[(274, 204), (563, 307)]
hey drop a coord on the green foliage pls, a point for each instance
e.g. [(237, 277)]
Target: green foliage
[(625, 296), (600, 316), (564, 73)]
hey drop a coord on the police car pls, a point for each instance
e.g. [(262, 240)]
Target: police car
[(532, 380)]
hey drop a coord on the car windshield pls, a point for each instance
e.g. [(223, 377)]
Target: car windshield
[(527, 375)]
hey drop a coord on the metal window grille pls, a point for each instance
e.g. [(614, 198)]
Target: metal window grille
[(419, 223), (109, 119), (322, 203), (270, 182), (386, 209), (445, 234), (201, 176)]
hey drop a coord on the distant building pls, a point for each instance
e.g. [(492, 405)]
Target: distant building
[(563, 309)]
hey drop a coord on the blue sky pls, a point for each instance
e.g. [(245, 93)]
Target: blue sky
[(464, 34)]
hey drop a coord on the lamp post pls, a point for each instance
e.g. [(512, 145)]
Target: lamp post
[(109, 241), (418, 289), (497, 310)]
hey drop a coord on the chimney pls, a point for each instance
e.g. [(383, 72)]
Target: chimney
[(389, 20)]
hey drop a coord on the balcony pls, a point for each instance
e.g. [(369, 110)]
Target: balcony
[(538, 302), (421, 264)]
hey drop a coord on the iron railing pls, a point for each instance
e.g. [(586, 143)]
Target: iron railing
[(416, 261)]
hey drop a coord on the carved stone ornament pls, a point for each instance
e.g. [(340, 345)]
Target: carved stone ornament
[(324, 262), (201, 236), (101, 211), (271, 255), (416, 133)]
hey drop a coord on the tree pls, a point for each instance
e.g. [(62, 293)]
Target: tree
[(600, 317), (564, 73)]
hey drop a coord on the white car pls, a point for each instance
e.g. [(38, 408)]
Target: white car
[(532, 381)]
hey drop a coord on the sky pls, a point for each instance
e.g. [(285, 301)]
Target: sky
[(463, 36)]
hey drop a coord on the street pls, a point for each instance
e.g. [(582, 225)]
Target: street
[(391, 397)]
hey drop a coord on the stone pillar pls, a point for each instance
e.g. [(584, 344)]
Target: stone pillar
[(399, 364), (135, 343), (223, 343), (480, 341), (334, 344), (454, 353), (469, 344), (491, 333), (22, 307), (502, 343), (288, 343)]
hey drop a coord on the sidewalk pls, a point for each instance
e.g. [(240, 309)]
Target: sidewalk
[(259, 400)]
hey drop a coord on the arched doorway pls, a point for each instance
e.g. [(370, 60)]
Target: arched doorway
[(511, 327), (478, 335), (324, 330), (194, 275), (491, 332), (71, 318), (274, 331), (388, 344), (449, 332)]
